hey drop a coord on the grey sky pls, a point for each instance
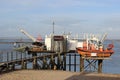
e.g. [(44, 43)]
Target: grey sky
[(76, 16)]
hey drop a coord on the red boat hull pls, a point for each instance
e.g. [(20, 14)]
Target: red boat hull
[(94, 53)]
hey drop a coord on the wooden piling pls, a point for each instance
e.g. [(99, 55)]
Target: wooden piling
[(44, 63), (23, 64), (34, 55), (100, 65), (75, 63), (58, 61), (52, 63), (13, 66), (69, 62), (34, 63), (64, 61), (81, 64), (7, 67)]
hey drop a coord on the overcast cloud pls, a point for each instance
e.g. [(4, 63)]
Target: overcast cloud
[(76, 16)]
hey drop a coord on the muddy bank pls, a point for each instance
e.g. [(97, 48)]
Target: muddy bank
[(56, 75)]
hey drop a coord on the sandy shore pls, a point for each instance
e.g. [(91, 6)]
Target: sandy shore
[(56, 75)]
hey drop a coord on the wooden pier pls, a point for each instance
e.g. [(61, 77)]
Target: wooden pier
[(24, 59), (51, 61)]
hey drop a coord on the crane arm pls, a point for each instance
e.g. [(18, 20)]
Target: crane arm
[(28, 35), (103, 38)]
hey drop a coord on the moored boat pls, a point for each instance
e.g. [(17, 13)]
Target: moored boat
[(93, 47), (95, 53)]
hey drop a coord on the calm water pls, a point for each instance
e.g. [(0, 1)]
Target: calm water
[(109, 66), (113, 65)]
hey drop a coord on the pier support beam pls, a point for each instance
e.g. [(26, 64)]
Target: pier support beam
[(34, 60), (52, 63), (89, 64), (59, 61), (44, 63), (24, 65), (75, 63), (13, 66), (7, 67), (100, 62), (81, 64), (34, 63), (64, 61), (69, 62)]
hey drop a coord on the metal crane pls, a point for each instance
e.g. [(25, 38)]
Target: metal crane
[(103, 38), (35, 41), (100, 44), (28, 35)]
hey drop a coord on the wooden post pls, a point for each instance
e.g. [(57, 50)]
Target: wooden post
[(7, 65), (75, 63), (58, 61), (34, 61), (64, 59), (44, 63), (100, 65), (13, 66), (34, 56), (51, 62), (81, 64), (23, 65), (65, 52), (69, 62)]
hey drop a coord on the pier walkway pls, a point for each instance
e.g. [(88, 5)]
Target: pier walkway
[(23, 58), (9, 61)]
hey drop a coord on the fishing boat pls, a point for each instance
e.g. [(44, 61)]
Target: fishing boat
[(93, 47), (95, 53)]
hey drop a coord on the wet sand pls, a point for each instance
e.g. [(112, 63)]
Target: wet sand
[(56, 75)]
